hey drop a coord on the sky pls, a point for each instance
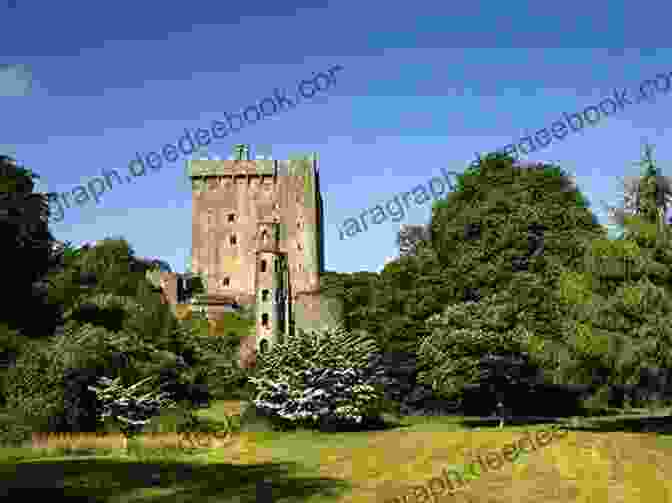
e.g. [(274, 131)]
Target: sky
[(85, 86)]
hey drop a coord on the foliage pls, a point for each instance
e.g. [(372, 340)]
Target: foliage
[(34, 385), (108, 268), (503, 221), (321, 397), (622, 333), (214, 359), (466, 335), (122, 403), (646, 197), (500, 206), (307, 371), (620, 305), (26, 239), (408, 291), (503, 239), (356, 292), (331, 348)]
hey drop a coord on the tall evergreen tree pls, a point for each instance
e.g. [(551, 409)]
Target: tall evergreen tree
[(622, 302), (647, 196)]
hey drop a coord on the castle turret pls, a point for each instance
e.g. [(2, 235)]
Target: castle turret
[(271, 286)]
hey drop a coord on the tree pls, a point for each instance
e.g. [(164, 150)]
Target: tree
[(502, 239), (647, 196), (478, 343), (621, 304), (28, 249), (510, 222)]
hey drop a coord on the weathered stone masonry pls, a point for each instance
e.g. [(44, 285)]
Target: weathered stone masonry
[(257, 239)]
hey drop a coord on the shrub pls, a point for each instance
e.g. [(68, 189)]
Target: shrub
[(79, 403), (34, 385), (322, 397), (320, 379), (120, 403)]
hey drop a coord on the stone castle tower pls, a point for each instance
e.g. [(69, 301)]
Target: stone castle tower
[(257, 239)]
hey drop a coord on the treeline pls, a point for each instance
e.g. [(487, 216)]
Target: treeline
[(512, 288), (514, 284), (72, 318)]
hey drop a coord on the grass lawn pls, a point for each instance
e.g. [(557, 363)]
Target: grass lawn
[(606, 463)]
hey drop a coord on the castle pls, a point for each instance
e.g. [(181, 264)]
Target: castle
[(257, 241)]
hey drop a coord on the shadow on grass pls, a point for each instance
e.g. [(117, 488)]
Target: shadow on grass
[(645, 424), (101, 480), (659, 425), (515, 421)]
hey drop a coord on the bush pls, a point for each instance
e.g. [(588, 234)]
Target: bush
[(80, 403), (327, 379), (121, 403), (215, 363), (34, 386), (324, 398)]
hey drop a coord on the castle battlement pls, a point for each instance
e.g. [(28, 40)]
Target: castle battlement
[(252, 168)]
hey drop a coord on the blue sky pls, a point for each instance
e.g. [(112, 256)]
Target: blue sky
[(423, 86)]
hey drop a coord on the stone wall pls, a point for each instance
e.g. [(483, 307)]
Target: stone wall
[(231, 199)]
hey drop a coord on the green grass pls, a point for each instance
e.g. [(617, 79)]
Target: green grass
[(311, 467)]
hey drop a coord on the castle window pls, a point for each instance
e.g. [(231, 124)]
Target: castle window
[(299, 246), (298, 225), (264, 320), (264, 235), (263, 346), (263, 266), (226, 281), (232, 217), (264, 295), (232, 239)]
